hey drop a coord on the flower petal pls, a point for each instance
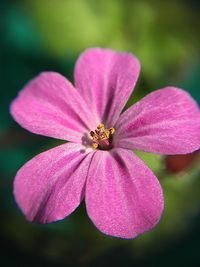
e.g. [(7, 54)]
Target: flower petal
[(50, 106), (166, 121), (123, 196), (106, 79), (51, 185)]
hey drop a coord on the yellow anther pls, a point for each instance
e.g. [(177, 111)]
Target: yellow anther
[(94, 145), (101, 127), (112, 130), (106, 134)]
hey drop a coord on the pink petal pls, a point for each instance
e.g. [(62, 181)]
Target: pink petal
[(51, 185), (166, 121), (106, 79), (123, 196), (49, 105)]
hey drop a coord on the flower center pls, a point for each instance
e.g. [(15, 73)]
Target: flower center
[(102, 137)]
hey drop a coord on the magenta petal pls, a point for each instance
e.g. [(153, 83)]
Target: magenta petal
[(51, 185), (123, 196), (50, 106), (166, 121), (106, 79)]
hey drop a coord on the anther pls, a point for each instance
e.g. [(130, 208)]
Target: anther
[(94, 145), (111, 130), (92, 133), (101, 127)]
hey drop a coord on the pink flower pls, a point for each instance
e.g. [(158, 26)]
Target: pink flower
[(123, 197)]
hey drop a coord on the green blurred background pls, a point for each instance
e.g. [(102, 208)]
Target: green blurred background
[(38, 35)]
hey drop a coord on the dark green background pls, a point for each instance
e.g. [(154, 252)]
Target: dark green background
[(38, 35)]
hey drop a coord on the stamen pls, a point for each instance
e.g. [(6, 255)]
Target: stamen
[(94, 145), (112, 130), (102, 137), (101, 127)]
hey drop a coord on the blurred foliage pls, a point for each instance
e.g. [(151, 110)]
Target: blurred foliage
[(69, 27), (38, 35)]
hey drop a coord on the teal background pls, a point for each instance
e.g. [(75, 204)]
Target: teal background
[(38, 35)]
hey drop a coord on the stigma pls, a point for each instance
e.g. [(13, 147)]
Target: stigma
[(102, 137)]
